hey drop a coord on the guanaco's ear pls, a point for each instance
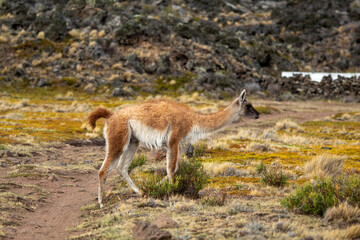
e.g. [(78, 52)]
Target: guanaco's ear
[(242, 96)]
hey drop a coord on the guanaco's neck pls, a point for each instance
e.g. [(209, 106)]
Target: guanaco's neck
[(215, 121)]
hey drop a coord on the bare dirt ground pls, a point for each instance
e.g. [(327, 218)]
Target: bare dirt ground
[(60, 208), (64, 192)]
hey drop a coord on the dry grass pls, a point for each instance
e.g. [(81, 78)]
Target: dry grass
[(219, 145), (352, 232), (243, 134), (343, 213), (324, 165), (181, 204), (75, 33), (258, 147), (218, 169), (297, 140), (270, 135), (287, 125)]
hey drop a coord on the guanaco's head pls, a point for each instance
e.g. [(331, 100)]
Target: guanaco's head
[(245, 107)]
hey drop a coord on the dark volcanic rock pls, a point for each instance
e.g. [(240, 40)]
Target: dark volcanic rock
[(164, 64), (133, 61), (135, 29)]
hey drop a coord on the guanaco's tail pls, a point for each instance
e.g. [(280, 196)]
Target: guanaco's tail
[(96, 114)]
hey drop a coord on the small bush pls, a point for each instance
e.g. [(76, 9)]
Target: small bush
[(199, 149), (139, 160), (316, 197), (261, 168), (274, 178), (189, 180)]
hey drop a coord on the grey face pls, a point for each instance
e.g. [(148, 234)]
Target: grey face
[(248, 110)]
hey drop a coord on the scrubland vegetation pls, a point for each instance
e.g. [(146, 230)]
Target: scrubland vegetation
[(288, 175)]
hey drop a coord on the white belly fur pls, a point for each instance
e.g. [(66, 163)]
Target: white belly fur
[(150, 137)]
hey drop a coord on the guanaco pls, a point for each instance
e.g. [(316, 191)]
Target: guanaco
[(156, 123)]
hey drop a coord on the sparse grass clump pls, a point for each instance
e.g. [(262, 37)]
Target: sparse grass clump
[(325, 165), (343, 213), (287, 125), (273, 177), (215, 198), (352, 232), (139, 160), (259, 147), (219, 169), (316, 197), (219, 145), (189, 180)]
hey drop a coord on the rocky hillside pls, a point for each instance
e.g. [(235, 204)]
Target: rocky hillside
[(127, 48)]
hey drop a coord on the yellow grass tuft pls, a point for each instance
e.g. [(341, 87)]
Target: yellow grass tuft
[(259, 147), (93, 34), (217, 169), (181, 204), (128, 75), (92, 43), (344, 212), (36, 62), (102, 33), (269, 134), (345, 117), (3, 39), (297, 140), (287, 125), (219, 145), (75, 33), (242, 134), (352, 232), (325, 165), (4, 28), (78, 68), (41, 35), (113, 77), (117, 66)]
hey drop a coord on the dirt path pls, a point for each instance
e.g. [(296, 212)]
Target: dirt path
[(61, 208), (65, 192)]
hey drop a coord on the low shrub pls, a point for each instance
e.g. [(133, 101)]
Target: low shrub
[(274, 178), (199, 149), (139, 160), (261, 168), (189, 180), (316, 197)]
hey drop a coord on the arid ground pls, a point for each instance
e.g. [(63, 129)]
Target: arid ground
[(49, 162)]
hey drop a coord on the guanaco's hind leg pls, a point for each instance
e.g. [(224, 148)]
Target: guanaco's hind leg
[(123, 166), (107, 166), (116, 144), (172, 160)]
